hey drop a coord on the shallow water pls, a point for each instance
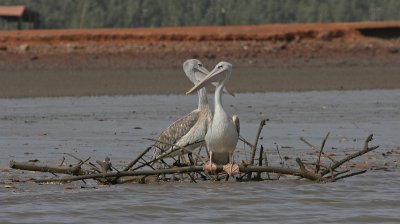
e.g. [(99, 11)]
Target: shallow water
[(45, 128)]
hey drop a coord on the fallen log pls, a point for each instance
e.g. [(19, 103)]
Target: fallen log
[(178, 170), (73, 170)]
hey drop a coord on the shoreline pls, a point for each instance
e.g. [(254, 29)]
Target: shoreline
[(266, 58), (77, 83)]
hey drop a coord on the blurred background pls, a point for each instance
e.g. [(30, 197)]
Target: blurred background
[(93, 78), (122, 47), (158, 13)]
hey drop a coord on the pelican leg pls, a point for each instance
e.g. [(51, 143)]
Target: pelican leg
[(181, 154), (210, 167), (231, 168), (191, 160)]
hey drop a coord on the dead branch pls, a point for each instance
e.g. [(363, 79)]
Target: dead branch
[(166, 154), (138, 175), (266, 163), (350, 175), (320, 153), (260, 159), (245, 141), (131, 164), (178, 170), (337, 174), (366, 149), (301, 165), (316, 149), (74, 170), (254, 148)]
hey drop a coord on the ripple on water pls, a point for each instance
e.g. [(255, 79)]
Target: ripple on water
[(73, 123)]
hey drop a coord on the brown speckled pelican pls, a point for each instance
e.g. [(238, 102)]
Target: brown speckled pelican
[(223, 131), (188, 131)]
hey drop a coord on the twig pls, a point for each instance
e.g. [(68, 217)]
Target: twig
[(245, 141), (366, 149), (131, 164), (301, 165), (315, 149), (69, 154), (254, 148), (320, 153), (62, 161), (280, 157), (350, 175), (320, 164), (266, 163), (333, 175), (260, 159), (81, 161), (174, 150), (94, 167)]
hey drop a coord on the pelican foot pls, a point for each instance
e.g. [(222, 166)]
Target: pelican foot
[(210, 167), (231, 169)]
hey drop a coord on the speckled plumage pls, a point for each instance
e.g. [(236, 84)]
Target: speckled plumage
[(188, 131)]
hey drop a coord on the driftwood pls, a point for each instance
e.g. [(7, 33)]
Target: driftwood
[(365, 149), (141, 170), (254, 147), (73, 170), (189, 169)]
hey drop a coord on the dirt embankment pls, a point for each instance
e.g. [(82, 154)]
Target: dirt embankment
[(168, 47), (267, 58)]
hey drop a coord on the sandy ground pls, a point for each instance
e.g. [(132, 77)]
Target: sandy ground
[(278, 57)]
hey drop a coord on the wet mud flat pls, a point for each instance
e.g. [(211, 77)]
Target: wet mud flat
[(45, 128), (45, 82)]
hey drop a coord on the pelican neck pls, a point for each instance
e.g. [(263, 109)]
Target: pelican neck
[(203, 101)]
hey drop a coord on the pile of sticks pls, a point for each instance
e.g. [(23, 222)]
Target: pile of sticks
[(141, 170)]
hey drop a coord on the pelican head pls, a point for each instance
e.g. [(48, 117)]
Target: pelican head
[(219, 75), (194, 70)]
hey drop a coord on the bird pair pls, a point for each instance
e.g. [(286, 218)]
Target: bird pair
[(219, 131)]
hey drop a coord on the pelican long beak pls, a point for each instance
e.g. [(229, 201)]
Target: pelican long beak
[(209, 79), (203, 72)]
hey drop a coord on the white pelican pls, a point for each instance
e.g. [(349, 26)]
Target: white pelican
[(188, 131), (223, 132)]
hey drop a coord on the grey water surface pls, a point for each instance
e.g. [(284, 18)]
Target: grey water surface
[(46, 128)]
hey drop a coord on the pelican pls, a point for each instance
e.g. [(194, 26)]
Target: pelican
[(188, 131), (223, 131)]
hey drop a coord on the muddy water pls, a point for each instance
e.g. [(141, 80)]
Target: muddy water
[(45, 128)]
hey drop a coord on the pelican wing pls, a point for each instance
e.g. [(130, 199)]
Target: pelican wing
[(176, 131), (235, 120)]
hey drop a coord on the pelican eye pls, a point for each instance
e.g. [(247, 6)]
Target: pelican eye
[(200, 65), (220, 66)]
